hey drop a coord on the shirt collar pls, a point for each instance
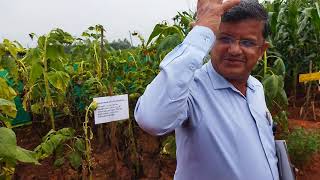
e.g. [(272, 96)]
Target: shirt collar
[(219, 82), (251, 83)]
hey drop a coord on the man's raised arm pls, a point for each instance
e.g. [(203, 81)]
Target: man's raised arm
[(165, 102)]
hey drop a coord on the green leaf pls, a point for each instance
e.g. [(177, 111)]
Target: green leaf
[(6, 121), (26, 156), (41, 42), (79, 144), (56, 140), (91, 28), (55, 51), (282, 98), (4, 102), (36, 108), (270, 85), (10, 150), (68, 132), (47, 147), (59, 152), (57, 65), (75, 159), (7, 151), (47, 136), (8, 108), (315, 19), (59, 80), (85, 34), (11, 48), (7, 137), (59, 162), (279, 67), (52, 141), (168, 43), (157, 30), (10, 66), (36, 72), (33, 56), (6, 92)]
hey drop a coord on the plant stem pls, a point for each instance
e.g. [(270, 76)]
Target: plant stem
[(294, 84), (133, 146), (265, 64), (87, 140), (101, 138), (101, 53), (48, 101), (113, 137), (306, 109), (98, 66)]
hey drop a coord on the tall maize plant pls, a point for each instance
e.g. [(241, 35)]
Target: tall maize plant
[(295, 37)]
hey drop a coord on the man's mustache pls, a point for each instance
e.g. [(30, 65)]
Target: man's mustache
[(234, 58)]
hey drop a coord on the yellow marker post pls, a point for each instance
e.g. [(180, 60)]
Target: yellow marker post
[(309, 77)]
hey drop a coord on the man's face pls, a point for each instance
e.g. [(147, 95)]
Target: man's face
[(237, 49)]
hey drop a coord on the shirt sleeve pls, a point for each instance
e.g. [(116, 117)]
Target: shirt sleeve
[(164, 104)]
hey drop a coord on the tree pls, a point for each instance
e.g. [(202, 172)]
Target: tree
[(121, 44)]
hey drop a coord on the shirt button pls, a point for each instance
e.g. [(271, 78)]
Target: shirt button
[(191, 67), (205, 38)]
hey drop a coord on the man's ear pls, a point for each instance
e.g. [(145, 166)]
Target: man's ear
[(264, 47)]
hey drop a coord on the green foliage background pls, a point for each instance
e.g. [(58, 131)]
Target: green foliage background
[(57, 79)]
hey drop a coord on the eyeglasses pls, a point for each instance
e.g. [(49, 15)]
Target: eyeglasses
[(244, 43)]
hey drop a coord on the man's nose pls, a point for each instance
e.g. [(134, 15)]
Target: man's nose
[(235, 48)]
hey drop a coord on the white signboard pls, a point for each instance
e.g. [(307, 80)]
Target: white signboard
[(111, 108)]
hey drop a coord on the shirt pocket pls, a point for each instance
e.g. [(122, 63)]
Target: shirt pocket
[(263, 119), (264, 124)]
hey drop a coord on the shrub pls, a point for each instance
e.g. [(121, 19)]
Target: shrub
[(302, 144)]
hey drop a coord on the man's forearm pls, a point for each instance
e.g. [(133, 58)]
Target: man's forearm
[(163, 106)]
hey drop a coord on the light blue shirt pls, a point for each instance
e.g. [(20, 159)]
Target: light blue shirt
[(220, 133)]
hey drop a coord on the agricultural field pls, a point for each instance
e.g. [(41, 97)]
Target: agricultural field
[(47, 128)]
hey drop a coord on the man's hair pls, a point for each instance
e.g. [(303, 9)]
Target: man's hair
[(248, 9)]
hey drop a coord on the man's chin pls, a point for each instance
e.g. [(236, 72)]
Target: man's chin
[(232, 73), (235, 76)]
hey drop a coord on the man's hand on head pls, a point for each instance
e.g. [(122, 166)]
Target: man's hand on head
[(209, 12)]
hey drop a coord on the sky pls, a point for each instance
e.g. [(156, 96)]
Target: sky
[(21, 17)]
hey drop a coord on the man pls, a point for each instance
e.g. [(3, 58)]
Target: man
[(222, 125)]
